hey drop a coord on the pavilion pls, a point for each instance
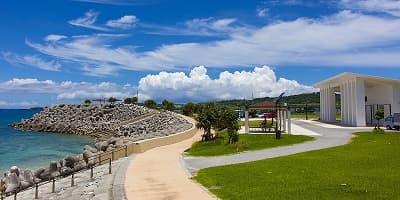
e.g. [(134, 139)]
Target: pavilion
[(360, 97), (283, 115)]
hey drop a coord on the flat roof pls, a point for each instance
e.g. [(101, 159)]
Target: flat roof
[(336, 80)]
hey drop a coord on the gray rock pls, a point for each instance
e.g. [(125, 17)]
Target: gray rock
[(12, 182)]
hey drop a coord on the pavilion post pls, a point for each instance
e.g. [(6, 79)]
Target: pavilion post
[(289, 123), (246, 121)]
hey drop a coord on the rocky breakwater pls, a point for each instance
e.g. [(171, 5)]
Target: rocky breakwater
[(159, 124), (90, 120), (15, 179), (121, 123)]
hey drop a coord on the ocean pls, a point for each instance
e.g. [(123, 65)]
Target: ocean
[(28, 149)]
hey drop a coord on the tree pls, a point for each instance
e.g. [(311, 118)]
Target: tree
[(87, 101), (134, 100), (112, 100), (149, 103), (231, 120), (205, 122), (128, 100), (188, 108), (170, 106), (165, 103), (379, 114)]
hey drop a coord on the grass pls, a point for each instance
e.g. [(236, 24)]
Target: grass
[(309, 115), (253, 123), (366, 168), (247, 142)]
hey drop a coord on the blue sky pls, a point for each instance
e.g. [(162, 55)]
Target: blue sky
[(68, 51)]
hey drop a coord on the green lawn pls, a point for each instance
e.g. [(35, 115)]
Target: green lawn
[(255, 122), (309, 115), (366, 168), (247, 142)]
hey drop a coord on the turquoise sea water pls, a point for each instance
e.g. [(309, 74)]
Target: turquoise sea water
[(28, 149)]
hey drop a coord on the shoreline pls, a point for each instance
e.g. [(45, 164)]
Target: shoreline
[(107, 185), (165, 127)]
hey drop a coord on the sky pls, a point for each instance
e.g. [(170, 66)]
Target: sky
[(66, 51)]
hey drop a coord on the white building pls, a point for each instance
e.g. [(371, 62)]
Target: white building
[(360, 97)]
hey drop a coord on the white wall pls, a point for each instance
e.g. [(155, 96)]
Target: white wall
[(396, 99)]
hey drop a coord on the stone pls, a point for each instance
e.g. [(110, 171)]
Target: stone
[(86, 155), (53, 169), (27, 179), (12, 182), (15, 169)]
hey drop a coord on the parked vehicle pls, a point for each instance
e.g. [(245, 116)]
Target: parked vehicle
[(392, 122)]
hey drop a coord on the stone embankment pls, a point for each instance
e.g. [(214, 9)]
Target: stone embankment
[(90, 120), (114, 125)]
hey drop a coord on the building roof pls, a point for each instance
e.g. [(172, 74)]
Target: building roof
[(336, 80)]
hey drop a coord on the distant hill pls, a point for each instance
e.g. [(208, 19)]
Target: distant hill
[(309, 98)]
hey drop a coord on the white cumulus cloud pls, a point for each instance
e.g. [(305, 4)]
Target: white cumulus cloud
[(125, 22), (198, 86), (67, 89)]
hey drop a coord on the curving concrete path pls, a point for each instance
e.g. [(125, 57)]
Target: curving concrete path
[(159, 174), (326, 136)]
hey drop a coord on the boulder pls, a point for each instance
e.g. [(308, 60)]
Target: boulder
[(12, 182), (15, 169), (53, 169), (65, 171), (86, 155), (38, 172), (27, 179), (87, 147)]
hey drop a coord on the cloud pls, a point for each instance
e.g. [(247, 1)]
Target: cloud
[(391, 7), (198, 86), (343, 39), (20, 104), (88, 21), (54, 37), (205, 27), (31, 60), (125, 22), (67, 89), (262, 12)]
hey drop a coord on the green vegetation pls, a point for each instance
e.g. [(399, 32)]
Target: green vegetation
[(130, 100), (87, 101), (367, 168), (112, 100), (248, 142), (379, 114), (167, 105), (310, 98), (218, 117), (254, 123), (149, 103), (191, 108)]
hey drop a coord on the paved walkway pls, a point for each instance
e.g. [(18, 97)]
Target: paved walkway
[(159, 174), (325, 138)]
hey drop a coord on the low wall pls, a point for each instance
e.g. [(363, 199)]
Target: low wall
[(145, 145)]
